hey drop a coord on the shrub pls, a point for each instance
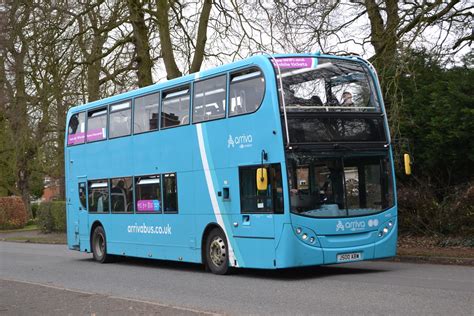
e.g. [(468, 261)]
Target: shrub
[(423, 213), (52, 216), (13, 213), (34, 209)]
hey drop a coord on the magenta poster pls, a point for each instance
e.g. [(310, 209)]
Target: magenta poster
[(293, 62), (148, 205), (77, 138), (96, 134)]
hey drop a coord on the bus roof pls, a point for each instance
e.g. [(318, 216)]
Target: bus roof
[(256, 60)]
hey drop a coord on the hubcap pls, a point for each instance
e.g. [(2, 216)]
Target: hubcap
[(218, 252), (100, 245)]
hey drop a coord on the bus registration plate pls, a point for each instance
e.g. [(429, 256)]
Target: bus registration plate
[(354, 256)]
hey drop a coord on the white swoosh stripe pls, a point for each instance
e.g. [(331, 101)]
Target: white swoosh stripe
[(212, 194)]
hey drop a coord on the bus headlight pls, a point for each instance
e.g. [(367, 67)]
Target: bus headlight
[(298, 230), (304, 236)]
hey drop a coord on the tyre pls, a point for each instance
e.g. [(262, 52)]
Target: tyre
[(99, 246), (217, 252)]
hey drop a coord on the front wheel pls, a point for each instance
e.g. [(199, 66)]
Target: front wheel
[(217, 252), (99, 246)]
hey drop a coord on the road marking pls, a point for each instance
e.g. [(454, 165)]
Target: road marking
[(113, 297)]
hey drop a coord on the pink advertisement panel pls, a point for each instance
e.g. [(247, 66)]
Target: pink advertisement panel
[(148, 205), (300, 62), (96, 134), (77, 138)]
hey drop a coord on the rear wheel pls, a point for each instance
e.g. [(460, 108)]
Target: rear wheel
[(217, 252), (99, 246)]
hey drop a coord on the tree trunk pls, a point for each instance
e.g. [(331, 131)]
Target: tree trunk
[(201, 37), (140, 40), (172, 69)]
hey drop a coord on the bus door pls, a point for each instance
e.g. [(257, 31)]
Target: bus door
[(253, 223), (81, 227), (72, 215), (258, 207)]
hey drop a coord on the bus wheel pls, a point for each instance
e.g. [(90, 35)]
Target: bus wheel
[(99, 246), (217, 256)]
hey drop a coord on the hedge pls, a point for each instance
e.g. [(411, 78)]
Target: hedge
[(52, 216), (13, 213)]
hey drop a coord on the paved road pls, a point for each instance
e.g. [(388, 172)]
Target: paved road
[(363, 288)]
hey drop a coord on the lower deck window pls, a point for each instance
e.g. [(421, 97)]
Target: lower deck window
[(170, 193), (148, 194), (255, 201), (121, 196), (99, 196)]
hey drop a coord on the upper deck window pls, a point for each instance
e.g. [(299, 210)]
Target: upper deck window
[(97, 124), (76, 131), (175, 107), (209, 99), (324, 84), (120, 119), (146, 113), (246, 91)]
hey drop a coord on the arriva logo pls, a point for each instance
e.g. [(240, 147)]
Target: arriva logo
[(242, 141), (356, 225)]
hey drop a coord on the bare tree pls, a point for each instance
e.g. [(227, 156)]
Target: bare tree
[(141, 42)]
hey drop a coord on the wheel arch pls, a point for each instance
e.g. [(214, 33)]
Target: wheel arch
[(93, 227), (204, 235)]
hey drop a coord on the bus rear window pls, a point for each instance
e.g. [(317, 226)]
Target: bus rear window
[(97, 125), (76, 129)]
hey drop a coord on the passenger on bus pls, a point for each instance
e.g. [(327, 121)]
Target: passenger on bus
[(347, 99), (119, 197)]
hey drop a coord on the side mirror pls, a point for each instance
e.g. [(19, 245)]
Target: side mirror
[(262, 179), (407, 160)]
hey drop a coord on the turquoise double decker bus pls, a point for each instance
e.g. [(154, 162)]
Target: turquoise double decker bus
[(270, 162)]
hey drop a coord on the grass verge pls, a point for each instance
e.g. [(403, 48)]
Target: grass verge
[(58, 239), (24, 229)]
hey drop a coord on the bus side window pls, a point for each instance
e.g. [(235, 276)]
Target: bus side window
[(97, 124), (254, 201), (170, 193), (120, 119), (76, 131), (121, 197), (99, 196), (175, 107), (246, 91), (209, 99), (148, 194), (145, 115), (82, 195)]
